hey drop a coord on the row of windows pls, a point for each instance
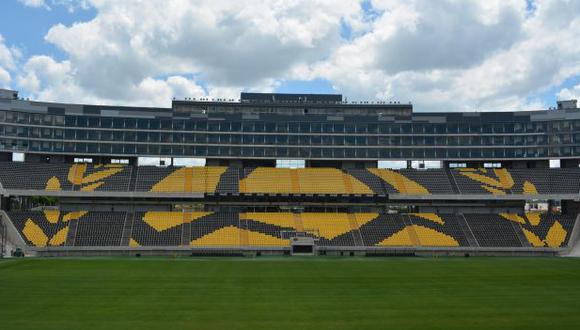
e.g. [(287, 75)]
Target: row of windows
[(31, 118), (307, 140), (283, 127), (280, 152)]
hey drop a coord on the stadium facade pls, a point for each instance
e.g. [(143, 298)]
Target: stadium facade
[(281, 126), (484, 198)]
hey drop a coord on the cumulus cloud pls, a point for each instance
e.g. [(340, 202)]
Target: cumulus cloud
[(33, 3), (443, 55), (229, 44), (70, 5), (458, 55), (8, 62), (569, 93), (50, 80)]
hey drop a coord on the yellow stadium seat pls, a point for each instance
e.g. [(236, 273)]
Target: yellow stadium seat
[(302, 181)]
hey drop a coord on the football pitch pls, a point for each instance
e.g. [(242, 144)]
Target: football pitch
[(290, 293)]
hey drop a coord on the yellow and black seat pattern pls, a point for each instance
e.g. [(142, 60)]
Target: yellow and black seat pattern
[(260, 229), (61, 177)]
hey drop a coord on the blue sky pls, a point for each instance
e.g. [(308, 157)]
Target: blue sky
[(442, 56), (26, 27)]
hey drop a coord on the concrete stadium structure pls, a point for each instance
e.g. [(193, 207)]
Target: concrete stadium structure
[(284, 174)]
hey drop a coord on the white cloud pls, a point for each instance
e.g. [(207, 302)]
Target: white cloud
[(442, 55), (70, 5), (50, 80), (569, 93), (8, 62), (5, 78), (33, 3), (229, 44), (459, 55), (8, 56)]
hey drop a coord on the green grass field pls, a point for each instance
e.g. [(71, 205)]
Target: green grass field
[(289, 293)]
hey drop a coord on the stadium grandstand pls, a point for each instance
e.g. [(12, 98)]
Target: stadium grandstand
[(279, 174)]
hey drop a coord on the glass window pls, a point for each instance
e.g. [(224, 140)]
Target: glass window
[(106, 135), (200, 138), (118, 123), (269, 152), (143, 123), (11, 131), (293, 127), (46, 133), (236, 139), (154, 124), (165, 149), (247, 152), (81, 134), (94, 122), (93, 147), (165, 124), (327, 128), (130, 136), (153, 137), (142, 149), (69, 134), (130, 123), (142, 136), (10, 117), (36, 119), (213, 126), (58, 133), (247, 126), (81, 147), (316, 127), (166, 137), (23, 118), (118, 136), (213, 138), (236, 126), (71, 121), (258, 152), (188, 150), (154, 149), (105, 122), (293, 140), (58, 146)]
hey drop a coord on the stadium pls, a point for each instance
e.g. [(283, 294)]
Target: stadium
[(292, 175), (304, 164), (286, 174)]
